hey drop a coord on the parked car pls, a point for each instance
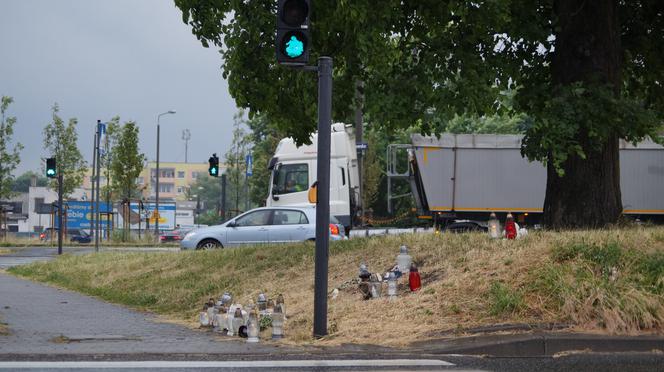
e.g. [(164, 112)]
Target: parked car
[(262, 225), (463, 226), (171, 236), (82, 237), (74, 235)]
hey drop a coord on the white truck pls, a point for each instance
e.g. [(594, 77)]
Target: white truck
[(294, 171)]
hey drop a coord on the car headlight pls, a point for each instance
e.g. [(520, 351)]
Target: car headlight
[(188, 236)]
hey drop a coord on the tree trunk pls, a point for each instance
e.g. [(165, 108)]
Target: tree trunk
[(587, 50)]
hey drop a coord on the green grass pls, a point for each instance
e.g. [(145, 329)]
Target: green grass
[(504, 300), (605, 281)]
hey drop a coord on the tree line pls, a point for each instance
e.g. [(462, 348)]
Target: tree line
[(122, 161)]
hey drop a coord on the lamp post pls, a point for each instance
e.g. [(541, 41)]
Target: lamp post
[(156, 208)]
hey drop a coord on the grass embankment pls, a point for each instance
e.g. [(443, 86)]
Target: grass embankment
[(4, 329), (34, 242), (607, 281)]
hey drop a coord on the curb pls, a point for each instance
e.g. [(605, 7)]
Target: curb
[(538, 345)]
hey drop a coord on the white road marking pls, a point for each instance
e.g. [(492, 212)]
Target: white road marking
[(231, 364)]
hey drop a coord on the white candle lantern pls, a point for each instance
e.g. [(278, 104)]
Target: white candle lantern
[(277, 323), (252, 327), (392, 286)]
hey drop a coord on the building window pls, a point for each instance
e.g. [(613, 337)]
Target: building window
[(180, 189), (180, 174), (140, 180), (194, 174), (166, 187)]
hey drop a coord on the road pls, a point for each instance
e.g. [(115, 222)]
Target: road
[(59, 330)]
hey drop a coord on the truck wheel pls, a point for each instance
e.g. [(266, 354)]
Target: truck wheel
[(208, 244)]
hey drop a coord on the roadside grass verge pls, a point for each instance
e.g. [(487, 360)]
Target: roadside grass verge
[(4, 329), (609, 281)]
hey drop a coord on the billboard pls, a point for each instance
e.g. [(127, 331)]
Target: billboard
[(79, 214), (166, 215)]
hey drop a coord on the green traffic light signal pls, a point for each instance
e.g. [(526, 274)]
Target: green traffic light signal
[(292, 42), (294, 47), (213, 170), (50, 168)]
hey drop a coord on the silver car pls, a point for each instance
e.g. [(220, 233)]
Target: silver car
[(260, 226)]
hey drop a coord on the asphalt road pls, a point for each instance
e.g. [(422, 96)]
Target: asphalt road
[(59, 330)]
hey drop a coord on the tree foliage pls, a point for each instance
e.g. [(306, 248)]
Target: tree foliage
[(126, 161), (9, 156), (422, 62), (22, 183), (206, 192), (237, 191), (60, 141), (265, 139)]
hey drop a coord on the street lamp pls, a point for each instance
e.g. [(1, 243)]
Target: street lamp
[(156, 209)]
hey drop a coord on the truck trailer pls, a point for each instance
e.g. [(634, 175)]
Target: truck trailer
[(471, 175)]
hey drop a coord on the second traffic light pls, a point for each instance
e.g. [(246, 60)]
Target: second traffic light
[(214, 165), (51, 171), (293, 32)]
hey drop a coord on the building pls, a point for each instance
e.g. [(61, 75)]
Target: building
[(33, 211), (174, 181)]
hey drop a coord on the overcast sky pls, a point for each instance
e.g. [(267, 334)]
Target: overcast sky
[(98, 59)]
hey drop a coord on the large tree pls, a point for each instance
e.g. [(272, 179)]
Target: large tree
[(60, 141), (586, 74), (9, 156)]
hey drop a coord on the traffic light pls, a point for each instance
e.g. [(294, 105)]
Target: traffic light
[(50, 168), (293, 32), (214, 165)]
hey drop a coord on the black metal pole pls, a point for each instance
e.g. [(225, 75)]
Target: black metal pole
[(223, 196), (60, 210), (97, 214), (359, 137), (92, 181), (323, 199), (156, 208)]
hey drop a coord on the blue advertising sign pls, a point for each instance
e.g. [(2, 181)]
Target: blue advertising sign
[(79, 214), (250, 165)]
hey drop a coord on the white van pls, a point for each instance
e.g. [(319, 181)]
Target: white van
[(294, 171)]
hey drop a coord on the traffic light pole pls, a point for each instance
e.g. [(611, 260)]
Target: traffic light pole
[(97, 214), (60, 212), (323, 197)]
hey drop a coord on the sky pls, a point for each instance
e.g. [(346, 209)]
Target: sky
[(98, 59)]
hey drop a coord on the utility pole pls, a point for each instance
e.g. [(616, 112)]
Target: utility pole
[(92, 181), (60, 225), (97, 181), (359, 132), (223, 196), (323, 197), (186, 136)]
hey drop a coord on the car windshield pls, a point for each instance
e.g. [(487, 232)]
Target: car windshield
[(290, 178)]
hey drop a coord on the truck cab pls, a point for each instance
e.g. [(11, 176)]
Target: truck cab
[(294, 172)]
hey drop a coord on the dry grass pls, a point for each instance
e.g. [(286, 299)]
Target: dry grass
[(600, 281)]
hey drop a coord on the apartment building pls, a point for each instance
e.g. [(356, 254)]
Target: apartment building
[(175, 178)]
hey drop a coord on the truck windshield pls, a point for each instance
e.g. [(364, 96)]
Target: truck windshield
[(290, 178)]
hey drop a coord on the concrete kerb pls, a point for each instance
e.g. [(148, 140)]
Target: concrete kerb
[(539, 344)]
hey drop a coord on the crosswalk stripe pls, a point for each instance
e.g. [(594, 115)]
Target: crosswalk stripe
[(230, 364)]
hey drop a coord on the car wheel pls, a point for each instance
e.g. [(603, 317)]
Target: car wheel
[(208, 244)]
